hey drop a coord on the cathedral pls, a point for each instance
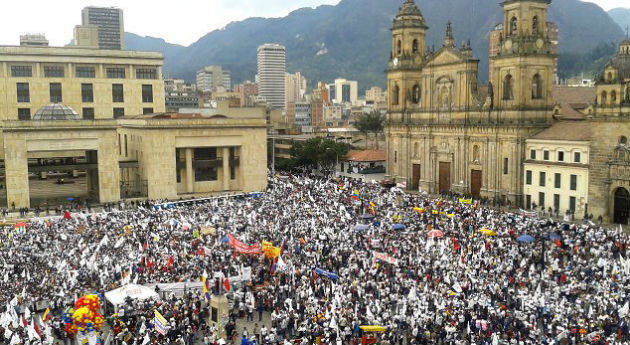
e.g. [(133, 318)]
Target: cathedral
[(446, 134)]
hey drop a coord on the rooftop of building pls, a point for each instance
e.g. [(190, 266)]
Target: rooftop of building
[(566, 130), (75, 51), (366, 156), (55, 111)]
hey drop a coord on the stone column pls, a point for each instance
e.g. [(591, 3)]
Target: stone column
[(226, 168), (16, 172), (190, 177), (108, 169)]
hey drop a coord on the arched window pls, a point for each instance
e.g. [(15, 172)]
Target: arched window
[(415, 95), (613, 96), (396, 95), (609, 78), (508, 92), (475, 156), (535, 25), (513, 26), (537, 89), (416, 149), (604, 98), (399, 47), (414, 46), (623, 140)]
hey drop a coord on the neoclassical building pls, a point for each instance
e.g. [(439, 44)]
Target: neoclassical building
[(442, 133)]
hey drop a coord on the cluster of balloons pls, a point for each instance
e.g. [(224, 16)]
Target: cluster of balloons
[(84, 318)]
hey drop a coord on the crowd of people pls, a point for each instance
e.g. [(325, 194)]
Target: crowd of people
[(429, 270)]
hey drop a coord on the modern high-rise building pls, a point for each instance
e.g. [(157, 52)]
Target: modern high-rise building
[(295, 87), (271, 73), (344, 91), (210, 78), (111, 29)]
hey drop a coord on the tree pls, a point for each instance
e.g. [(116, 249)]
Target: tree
[(370, 122), (318, 152)]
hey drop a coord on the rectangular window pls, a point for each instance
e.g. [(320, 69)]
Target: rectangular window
[(55, 93), (572, 204), (147, 93), (21, 71), (146, 111), (118, 95), (395, 156), (557, 180), (532, 154), (87, 93), (541, 199), (546, 155), (119, 146), (88, 113), (577, 157), (119, 112), (23, 93), (53, 71), (528, 201), (126, 152), (556, 202), (24, 114), (205, 172), (232, 163), (560, 156), (528, 177), (115, 72), (542, 176), (505, 166), (573, 182), (146, 73), (85, 72)]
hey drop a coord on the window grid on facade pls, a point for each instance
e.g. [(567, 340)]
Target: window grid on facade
[(88, 113), (532, 154), (577, 157), (21, 71), (147, 93), (118, 95), (541, 199), (557, 180), (546, 155), (53, 71), (87, 93), (116, 73), (542, 177), (85, 72), (55, 93), (119, 112), (146, 73), (572, 204), (556, 201), (528, 177), (146, 111), (561, 156), (24, 114), (23, 93), (573, 182), (505, 166)]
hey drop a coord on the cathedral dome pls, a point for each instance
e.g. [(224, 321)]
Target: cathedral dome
[(55, 111), (409, 15)]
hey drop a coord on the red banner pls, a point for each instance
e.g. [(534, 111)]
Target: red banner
[(386, 258), (242, 248)]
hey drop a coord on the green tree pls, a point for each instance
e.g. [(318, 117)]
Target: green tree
[(318, 152), (372, 122)]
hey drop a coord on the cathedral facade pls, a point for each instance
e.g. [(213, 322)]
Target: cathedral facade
[(442, 133)]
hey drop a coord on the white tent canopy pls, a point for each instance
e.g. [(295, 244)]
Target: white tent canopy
[(133, 291)]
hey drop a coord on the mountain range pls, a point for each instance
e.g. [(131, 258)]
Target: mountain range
[(353, 39)]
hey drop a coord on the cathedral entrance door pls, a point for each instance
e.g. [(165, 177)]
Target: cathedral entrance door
[(445, 177), (622, 206), (416, 177), (475, 183)]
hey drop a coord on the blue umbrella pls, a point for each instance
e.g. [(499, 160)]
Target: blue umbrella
[(399, 226), (225, 239), (70, 199), (367, 216), (360, 227), (525, 238)]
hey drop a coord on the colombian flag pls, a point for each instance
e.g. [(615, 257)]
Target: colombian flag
[(355, 194), (47, 315), (206, 292)]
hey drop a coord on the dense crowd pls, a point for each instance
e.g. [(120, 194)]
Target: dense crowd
[(472, 281)]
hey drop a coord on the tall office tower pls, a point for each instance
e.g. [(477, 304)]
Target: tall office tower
[(295, 87), (111, 30), (271, 73), (211, 78)]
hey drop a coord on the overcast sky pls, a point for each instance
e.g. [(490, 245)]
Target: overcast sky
[(180, 21)]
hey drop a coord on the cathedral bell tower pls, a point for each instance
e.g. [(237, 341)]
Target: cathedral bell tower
[(523, 70), (406, 58)]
